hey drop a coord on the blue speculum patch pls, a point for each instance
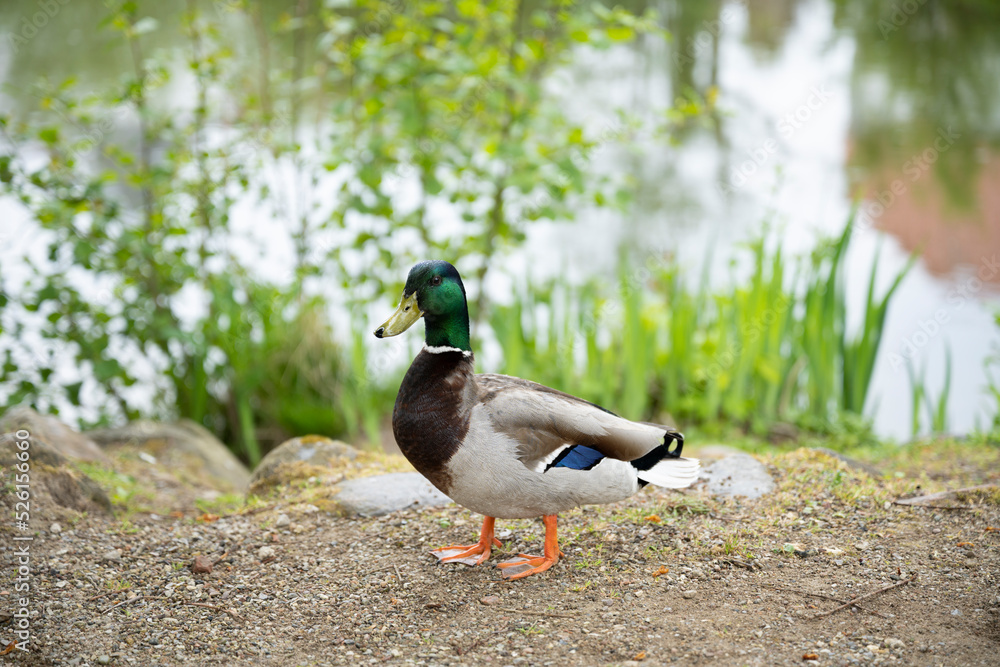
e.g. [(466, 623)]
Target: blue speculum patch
[(577, 457)]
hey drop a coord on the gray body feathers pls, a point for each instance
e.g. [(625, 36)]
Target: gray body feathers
[(492, 442)]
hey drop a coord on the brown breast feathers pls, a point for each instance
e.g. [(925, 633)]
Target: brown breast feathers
[(432, 412)]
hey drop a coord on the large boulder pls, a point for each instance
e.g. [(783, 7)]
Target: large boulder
[(737, 475), (186, 450), (300, 458), (53, 432), (55, 487), (382, 494)]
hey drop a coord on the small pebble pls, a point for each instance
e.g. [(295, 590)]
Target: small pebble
[(265, 552), (688, 594), (103, 660), (282, 521), (893, 643), (202, 565), (55, 528), (113, 555), (490, 600)]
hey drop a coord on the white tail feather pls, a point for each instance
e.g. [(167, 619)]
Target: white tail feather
[(672, 473)]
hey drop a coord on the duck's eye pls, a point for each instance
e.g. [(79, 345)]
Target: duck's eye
[(436, 280)]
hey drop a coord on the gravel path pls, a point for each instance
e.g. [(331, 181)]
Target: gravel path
[(663, 578)]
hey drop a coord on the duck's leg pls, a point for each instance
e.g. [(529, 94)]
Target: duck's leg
[(467, 554), (514, 568)]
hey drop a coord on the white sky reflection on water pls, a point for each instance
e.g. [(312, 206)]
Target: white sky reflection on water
[(800, 185)]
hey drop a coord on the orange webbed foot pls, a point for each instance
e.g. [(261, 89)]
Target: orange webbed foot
[(471, 554), (525, 564)]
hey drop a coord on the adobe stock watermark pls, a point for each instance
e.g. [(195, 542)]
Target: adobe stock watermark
[(27, 28), (909, 346), (899, 16), (22, 542), (913, 169), (787, 126)]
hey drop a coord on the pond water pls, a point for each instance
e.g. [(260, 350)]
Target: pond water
[(826, 104), (821, 103)]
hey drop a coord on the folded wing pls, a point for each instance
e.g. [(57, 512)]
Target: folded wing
[(555, 429)]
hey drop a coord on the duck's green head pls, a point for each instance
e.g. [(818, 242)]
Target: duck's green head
[(434, 291)]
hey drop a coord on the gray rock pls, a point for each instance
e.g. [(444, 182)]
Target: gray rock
[(382, 494), (59, 436), (737, 475), (56, 484), (265, 552), (299, 458), (186, 449), (114, 556)]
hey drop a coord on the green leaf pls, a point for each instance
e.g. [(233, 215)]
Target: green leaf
[(106, 369)]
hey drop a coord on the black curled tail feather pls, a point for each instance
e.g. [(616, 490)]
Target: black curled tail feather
[(677, 438), (660, 452), (673, 444)]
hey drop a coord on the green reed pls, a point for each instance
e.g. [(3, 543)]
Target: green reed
[(920, 397), (656, 345)]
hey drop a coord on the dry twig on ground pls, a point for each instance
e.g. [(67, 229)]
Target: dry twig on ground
[(866, 596)]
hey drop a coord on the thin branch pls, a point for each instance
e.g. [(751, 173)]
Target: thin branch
[(123, 602), (825, 597), (920, 501), (866, 596)]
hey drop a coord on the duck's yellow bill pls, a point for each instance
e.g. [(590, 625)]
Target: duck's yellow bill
[(406, 314)]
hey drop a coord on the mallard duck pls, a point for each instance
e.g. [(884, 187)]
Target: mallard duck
[(509, 448)]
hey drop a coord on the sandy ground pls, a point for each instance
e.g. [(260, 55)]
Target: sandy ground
[(667, 577)]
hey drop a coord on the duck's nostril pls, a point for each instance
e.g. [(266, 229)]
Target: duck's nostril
[(379, 332)]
